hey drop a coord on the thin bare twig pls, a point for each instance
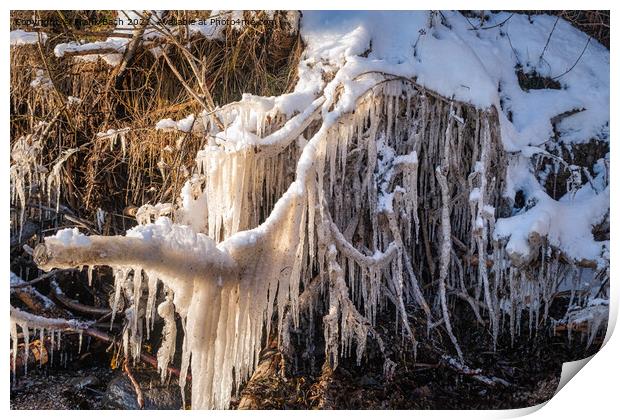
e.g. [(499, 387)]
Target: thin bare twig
[(542, 53), (37, 280), (136, 385), (577, 61), (493, 26), (73, 305)]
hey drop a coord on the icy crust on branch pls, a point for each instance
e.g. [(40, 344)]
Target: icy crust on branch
[(227, 293), (45, 326), (223, 294), (21, 37)]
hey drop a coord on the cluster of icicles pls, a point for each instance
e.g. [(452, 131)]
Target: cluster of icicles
[(28, 175), (41, 328), (374, 191)]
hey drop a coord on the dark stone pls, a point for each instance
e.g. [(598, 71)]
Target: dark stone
[(84, 381), (369, 382), (121, 394)]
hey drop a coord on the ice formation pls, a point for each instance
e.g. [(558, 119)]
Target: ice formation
[(115, 136), (394, 163), (49, 326), (168, 124), (26, 172)]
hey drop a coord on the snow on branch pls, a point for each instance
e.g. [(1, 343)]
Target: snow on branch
[(76, 250)]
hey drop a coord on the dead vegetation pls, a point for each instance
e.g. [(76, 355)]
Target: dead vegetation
[(104, 174)]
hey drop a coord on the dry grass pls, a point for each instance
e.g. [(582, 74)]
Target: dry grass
[(260, 59), (593, 22)]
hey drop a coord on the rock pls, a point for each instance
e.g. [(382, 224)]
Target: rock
[(369, 382), (61, 389), (121, 394), (421, 392), (84, 381)]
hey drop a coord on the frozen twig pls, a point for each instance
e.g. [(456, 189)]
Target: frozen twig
[(476, 374)]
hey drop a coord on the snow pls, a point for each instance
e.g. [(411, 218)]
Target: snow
[(69, 238), (477, 67), (344, 36), (567, 223), (73, 100), (184, 125), (117, 44), (41, 81), (166, 124), (21, 37), (126, 19)]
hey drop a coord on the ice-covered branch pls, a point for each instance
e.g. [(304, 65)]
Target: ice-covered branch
[(446, 248), (76, 250), (24, 318), (277, 141)]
